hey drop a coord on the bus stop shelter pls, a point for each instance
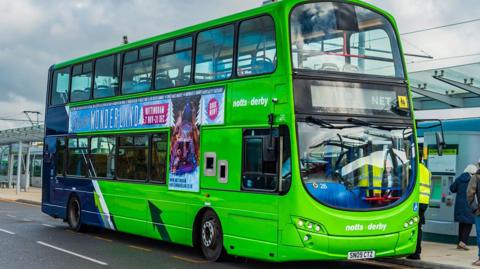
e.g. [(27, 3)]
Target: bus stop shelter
[(21, 141), (451, 95), (455, 87)]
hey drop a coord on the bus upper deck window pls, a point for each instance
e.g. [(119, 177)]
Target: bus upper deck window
[(174, 63), (214, 57), (137, 71), (60, 85), (106, 77), (257, 50), (81, 82)]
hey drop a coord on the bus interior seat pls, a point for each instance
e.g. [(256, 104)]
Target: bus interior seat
[(181, 81), (163, 81), (143, 85), (183, 78), (262, 66), (64, 96), (350, 68), (140, 171), (104, 91), (330, 67), (81, 94)]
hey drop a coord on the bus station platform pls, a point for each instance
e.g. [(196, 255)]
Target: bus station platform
[(440, 256), (32, 196)]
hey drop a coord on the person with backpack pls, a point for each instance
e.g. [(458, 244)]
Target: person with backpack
[(463, 214), (473, 195)]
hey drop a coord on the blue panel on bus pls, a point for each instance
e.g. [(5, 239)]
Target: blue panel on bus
[(85, 190), (56, 121), (337, 194)]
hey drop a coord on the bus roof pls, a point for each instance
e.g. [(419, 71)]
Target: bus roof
[(191, 29)]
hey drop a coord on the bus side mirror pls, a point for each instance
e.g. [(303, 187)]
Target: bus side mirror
[(440, 142)]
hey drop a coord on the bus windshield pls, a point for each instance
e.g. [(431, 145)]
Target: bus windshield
[(340, 37), (356, 167)]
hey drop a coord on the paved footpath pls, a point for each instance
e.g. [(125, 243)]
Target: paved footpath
[(434, 255), (33, 196)]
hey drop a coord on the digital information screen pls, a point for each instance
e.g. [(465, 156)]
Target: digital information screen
[(344, 98)]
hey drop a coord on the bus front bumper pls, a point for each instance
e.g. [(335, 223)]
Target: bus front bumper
[(302, 245)]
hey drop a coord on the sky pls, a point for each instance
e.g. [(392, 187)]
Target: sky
[(36, 34)]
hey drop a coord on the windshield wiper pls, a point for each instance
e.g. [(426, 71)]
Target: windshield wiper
[(320, 122), (367, 124)]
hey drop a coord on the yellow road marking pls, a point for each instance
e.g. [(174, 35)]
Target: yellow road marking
[(103, 239), (189, 260), (140, 248)]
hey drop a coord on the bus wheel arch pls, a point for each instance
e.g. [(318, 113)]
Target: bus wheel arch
[(207, 234), (74, 213)]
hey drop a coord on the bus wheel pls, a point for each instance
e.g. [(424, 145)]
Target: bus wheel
[(74, 216), (211, 236)]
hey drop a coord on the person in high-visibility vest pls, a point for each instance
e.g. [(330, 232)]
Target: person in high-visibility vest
[(425, 191), (371, 180)]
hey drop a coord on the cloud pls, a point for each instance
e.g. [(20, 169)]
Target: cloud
[(412, 15), (37, 34), (12, 107)]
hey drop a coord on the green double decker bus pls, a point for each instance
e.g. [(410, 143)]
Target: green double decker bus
[(281, 133)]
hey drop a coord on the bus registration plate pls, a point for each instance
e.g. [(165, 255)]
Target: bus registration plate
[(361, 255)]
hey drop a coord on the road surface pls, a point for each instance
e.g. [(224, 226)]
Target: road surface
[(29, 239)]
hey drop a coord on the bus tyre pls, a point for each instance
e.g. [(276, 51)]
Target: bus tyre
[(74, 216), (211, 236)]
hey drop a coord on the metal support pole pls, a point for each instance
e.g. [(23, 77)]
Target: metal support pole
[(41, 172), (10, 166), (19, 165), (27, 168)]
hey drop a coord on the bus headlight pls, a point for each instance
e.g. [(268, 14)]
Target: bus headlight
[(411, 222), (308, 225)]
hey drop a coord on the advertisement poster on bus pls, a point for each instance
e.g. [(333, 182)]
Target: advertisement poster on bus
[(146, 113), (185, 145)]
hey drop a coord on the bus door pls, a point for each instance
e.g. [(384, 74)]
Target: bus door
[(248, 170), (53, 169)]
